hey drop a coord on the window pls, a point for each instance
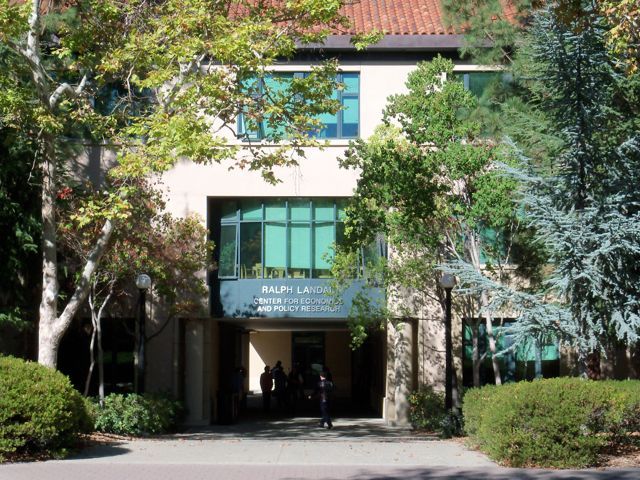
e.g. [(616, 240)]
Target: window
[(478, 82), (516, 365), (278, 238), (343, 124)]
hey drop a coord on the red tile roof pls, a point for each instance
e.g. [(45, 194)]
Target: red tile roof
[(396, 17), (393, 17)]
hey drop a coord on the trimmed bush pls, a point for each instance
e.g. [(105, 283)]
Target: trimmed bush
[(562, 422), (427, 412), (426, 409), (137, 415), (40, 412)]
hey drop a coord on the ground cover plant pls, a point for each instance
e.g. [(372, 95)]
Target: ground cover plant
[(137, 415), (40, 412), (562, 422)]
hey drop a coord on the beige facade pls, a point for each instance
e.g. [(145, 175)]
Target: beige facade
[(188, 360)]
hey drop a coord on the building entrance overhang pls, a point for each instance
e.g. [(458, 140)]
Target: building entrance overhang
[(287, 324), (285, 298)]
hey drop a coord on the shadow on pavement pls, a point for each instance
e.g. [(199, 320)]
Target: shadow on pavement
[(101, 450), (306, 428), (348, 424), (491, 473)]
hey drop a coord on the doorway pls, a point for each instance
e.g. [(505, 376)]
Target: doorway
[(308, 353)]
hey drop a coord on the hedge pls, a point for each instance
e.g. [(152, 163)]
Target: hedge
[(40, 412), (137, 415), (562, 422)]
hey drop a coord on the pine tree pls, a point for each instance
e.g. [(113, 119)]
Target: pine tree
[(584, 209)]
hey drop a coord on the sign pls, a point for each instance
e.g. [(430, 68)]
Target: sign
[(307, 298)]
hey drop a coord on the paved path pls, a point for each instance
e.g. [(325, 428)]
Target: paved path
[(356, 449)]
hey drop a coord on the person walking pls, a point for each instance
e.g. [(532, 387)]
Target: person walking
[(266, 385), (323, 391)]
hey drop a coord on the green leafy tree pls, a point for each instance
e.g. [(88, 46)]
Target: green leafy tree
[(173, 251), (19, 221), (153, 81), (429, 184)]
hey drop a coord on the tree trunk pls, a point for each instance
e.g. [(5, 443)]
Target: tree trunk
[(475, 355), (538, 361), (48, 336), (592, 363), (492, 341), (472, 246), (100, 360), (92, 358), (633, 360)]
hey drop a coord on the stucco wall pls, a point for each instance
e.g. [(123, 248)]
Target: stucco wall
[(338, 359), (266, 348)]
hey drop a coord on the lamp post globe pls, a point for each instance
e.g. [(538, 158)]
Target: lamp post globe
[(447, 281), (143, 281)]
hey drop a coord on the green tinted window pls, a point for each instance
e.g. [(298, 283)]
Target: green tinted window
[(251, 250), (251, 210), (227, 262), (299, 250), (324, 237), (336, 125), (323, 210), (275, 210), (300, 210), (279, 238), (275, 250), (229, 210), (351, 82)]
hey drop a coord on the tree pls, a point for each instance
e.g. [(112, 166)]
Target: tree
[(584, 206), (152, 81), (20, 225), (623, 37), (429, 184), (491, 27), (173, 251)]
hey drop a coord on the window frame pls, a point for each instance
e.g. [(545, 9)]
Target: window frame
[(259, 135), (238, 221)]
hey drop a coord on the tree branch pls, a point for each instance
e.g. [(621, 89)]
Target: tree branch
[(67, 89), (82, 289)]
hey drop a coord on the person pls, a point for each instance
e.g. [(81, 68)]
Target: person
[(323, 391), (294, 384), (238, 389), (280, 384), (266, 385)]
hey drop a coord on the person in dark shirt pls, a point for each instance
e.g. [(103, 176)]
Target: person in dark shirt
[(323, 391), (280, 385), (266, 385)]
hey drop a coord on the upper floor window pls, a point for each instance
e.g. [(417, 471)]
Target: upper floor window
[(343, 124), (278, 238), (478, 82)]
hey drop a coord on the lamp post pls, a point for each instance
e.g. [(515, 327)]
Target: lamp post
[(143, 282), (447, 282)]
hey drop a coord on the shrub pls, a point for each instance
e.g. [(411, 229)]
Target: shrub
[(426, 409), (40, 412), (563, 422), (136, 414)]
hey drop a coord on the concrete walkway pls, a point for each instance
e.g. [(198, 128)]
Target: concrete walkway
[(357, 449)]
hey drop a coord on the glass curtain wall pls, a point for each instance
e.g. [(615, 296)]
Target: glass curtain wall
[(279, 238)]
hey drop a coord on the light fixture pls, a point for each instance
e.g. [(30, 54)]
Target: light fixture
[(447, 281), (143, 281)]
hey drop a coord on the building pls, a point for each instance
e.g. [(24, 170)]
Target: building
[(267, 298)]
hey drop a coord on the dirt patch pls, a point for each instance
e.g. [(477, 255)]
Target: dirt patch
[(624, 457)]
